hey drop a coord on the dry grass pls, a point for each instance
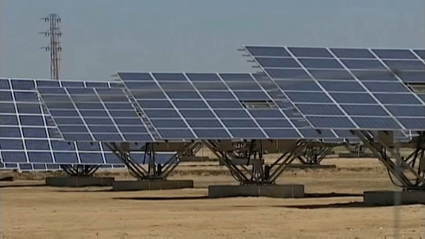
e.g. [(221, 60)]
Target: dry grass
[(46, 212)]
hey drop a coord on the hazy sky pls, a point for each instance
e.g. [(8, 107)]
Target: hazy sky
[(105, 36)]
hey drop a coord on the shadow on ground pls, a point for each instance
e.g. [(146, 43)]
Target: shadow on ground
[(341, 205), (163, 198), (22, 186), (315, 195), (331, 195)]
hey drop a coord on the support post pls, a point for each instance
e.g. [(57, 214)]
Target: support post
[(150, 175), (409, 172), (254, 176), (79, 176)]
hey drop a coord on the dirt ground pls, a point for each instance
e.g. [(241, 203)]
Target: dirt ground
[(332, 208)]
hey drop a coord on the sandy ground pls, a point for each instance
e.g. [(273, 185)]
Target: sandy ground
[(332, 209)]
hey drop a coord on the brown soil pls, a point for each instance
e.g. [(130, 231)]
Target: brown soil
[(333, 209)]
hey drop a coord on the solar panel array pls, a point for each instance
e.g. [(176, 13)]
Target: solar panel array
[(29, 139), (335, 88), (90, 114), (301, 90), (218, 106)]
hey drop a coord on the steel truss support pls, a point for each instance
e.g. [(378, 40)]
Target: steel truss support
[(356, 148), (314, 154), (80, 170), (150, 169), (410, 171), (254, 170)]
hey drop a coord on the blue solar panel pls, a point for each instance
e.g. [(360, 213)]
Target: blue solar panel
[(11, 144), (169, 77), (411, 76), (207, 85), (319, 109), (268, 51), (363, 64), (313, 63), (311, 97), (400, 65), (37, 144), (287, 73), (375, 122), (247, 133), (176, 134), (4, 84), (289, 85), (353, 98), (280, 133), (397, 99), (359, 82), (40, 157), (278, 62), (240, 123), (29, 139), (231, 114), (330, 122), (190, 114), (393, 54), (23, 84), (364, 110), (251, 96), (211, 133), (331, 74), (217, 95), (93, 109), (169, 123), (6, 96), (351, 53), (204, 123), (224, 104), (26, 108), (202, 77), (310, 52), (274, 123)]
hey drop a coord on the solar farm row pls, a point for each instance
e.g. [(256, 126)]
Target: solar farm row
[(335, 90)]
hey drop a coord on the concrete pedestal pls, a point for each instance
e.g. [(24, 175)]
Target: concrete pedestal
[(79, 181), (274, 191), (382, 198), (151, 185)]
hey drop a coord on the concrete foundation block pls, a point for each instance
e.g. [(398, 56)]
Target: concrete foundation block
[(383, 198), (151, 185), (274, 191), (79, 181)]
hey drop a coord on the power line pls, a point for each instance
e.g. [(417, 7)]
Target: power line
[(54, 47)]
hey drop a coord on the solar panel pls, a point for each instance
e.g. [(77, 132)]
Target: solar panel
[(30, 140), (88, 103), (366, 87), (219, 106)]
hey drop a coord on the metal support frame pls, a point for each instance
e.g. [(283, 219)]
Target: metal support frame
[(80, 170), (315, 153), (149, 169), (410, 171), (255, 171), (356, 148)]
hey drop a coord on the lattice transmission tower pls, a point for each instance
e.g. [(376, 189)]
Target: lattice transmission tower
[(54, 47)]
